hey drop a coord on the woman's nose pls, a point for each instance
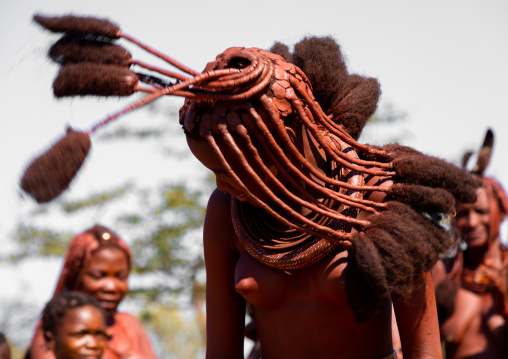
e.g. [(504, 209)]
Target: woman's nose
[(472, 219), (94, 342), (110, 285)]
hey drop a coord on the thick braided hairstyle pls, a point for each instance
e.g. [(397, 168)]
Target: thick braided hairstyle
[(255, 108), (407, 239), (350, 99), (401, 239)]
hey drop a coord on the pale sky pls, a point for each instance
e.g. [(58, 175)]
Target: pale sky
[(443, 63)]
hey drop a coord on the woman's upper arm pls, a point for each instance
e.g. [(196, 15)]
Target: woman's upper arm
[(225, 308), (468, 307), (140, 342), (417, 321)]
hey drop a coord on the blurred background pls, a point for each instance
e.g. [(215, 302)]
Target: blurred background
[(443, 74)]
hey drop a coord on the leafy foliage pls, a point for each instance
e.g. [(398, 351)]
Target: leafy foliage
[(168, 262), (181, 337), (40, 242), (95, 200)]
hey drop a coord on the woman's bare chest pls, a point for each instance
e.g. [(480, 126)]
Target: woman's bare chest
[(267, 287)]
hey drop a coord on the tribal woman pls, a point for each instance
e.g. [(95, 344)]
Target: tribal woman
[(320, 234), (315, 237)]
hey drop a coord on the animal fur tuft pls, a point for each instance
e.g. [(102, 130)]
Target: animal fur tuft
[(424, 199), (397, 246), (52, 172), (94, 79), (350, 99), (79, 25), (72, 49)]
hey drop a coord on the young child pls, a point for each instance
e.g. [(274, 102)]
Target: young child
[(74, 326)]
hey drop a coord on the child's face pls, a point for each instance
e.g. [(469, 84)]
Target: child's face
[(81, 334)]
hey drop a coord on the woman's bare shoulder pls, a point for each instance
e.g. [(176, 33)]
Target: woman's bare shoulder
[(38, 348), (218, 228), (383, 182), (125, 318), (128, 323), (219, 201)]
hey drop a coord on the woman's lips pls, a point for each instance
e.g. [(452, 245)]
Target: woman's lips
[(108, 304)]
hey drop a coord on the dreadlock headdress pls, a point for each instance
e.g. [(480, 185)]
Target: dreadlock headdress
[(81, 249), (249, 105)]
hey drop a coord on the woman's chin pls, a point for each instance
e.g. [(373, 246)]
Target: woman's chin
[(109, 308)]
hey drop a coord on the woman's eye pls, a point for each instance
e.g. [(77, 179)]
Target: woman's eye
[(95, 275), (103, 336)]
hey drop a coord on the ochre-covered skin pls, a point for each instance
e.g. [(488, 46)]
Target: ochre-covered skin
[(321, 234)]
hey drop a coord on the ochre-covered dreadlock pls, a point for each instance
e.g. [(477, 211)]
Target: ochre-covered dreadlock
[(249, 105)]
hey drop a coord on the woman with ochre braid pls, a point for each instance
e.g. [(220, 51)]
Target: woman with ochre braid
[(315, 237), (322, 235)]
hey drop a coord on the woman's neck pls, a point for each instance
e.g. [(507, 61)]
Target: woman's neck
[(110, 319), (474, 257)]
